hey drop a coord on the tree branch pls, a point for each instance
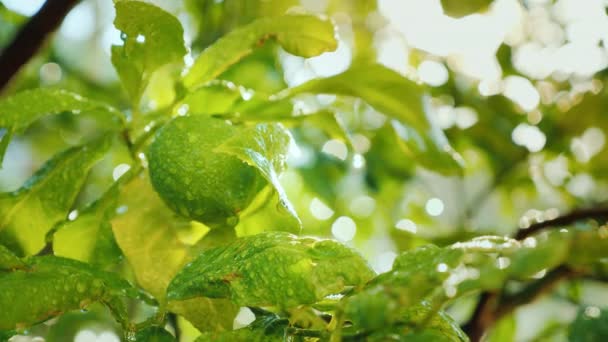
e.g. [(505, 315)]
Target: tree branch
[(31, 37), (576, 215), (491, 306)]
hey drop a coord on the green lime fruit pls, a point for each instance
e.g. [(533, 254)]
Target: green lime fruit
[(194, 180)]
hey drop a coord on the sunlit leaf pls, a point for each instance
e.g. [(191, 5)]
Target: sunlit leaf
[(271, 268), (264, 147), (301, 35), (19, 111), (504, 330), (152, 38), (398, 98), (157, 258), (46, 198), (89, 237)]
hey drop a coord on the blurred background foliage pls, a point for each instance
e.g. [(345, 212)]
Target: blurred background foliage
[(517, 86)]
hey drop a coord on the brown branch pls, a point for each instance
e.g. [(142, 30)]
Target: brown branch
[(535, 290), (483, 316), (576, 215), (491, 306), (31, 37)]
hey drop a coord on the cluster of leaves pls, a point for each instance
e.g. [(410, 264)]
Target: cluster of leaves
[(180, 218)]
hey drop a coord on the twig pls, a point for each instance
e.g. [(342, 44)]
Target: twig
[(576, 215), (31, 37), (491, 306), (535, 290), (483, 316)]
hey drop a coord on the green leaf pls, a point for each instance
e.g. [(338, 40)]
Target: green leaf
[(154, 334), (273, 268), (206, 314), (157, 258), (301, 35), (152, 38), (53, 285), (504, 330), (539, 253), (5, 140), (224, 97), (398, 98), (45, 199), (591, 324), (457, 9), (239, 104), (9, 261), (418, 323), (268, 328), (265, 147), (415, 275), (19, 111), (6, 335), (89, 237)]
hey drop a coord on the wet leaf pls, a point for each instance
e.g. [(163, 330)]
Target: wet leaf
[(152, 38), (415, 275), (268, 328), (46, 198), (271, 268), (417, 323), (154, 334), (264, 147), (53, 285), (19, 111), (301, 35), (591, 324)]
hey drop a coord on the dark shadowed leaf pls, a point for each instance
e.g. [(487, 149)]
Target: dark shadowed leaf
[(590, 325), (53, 285), (154, 334)]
